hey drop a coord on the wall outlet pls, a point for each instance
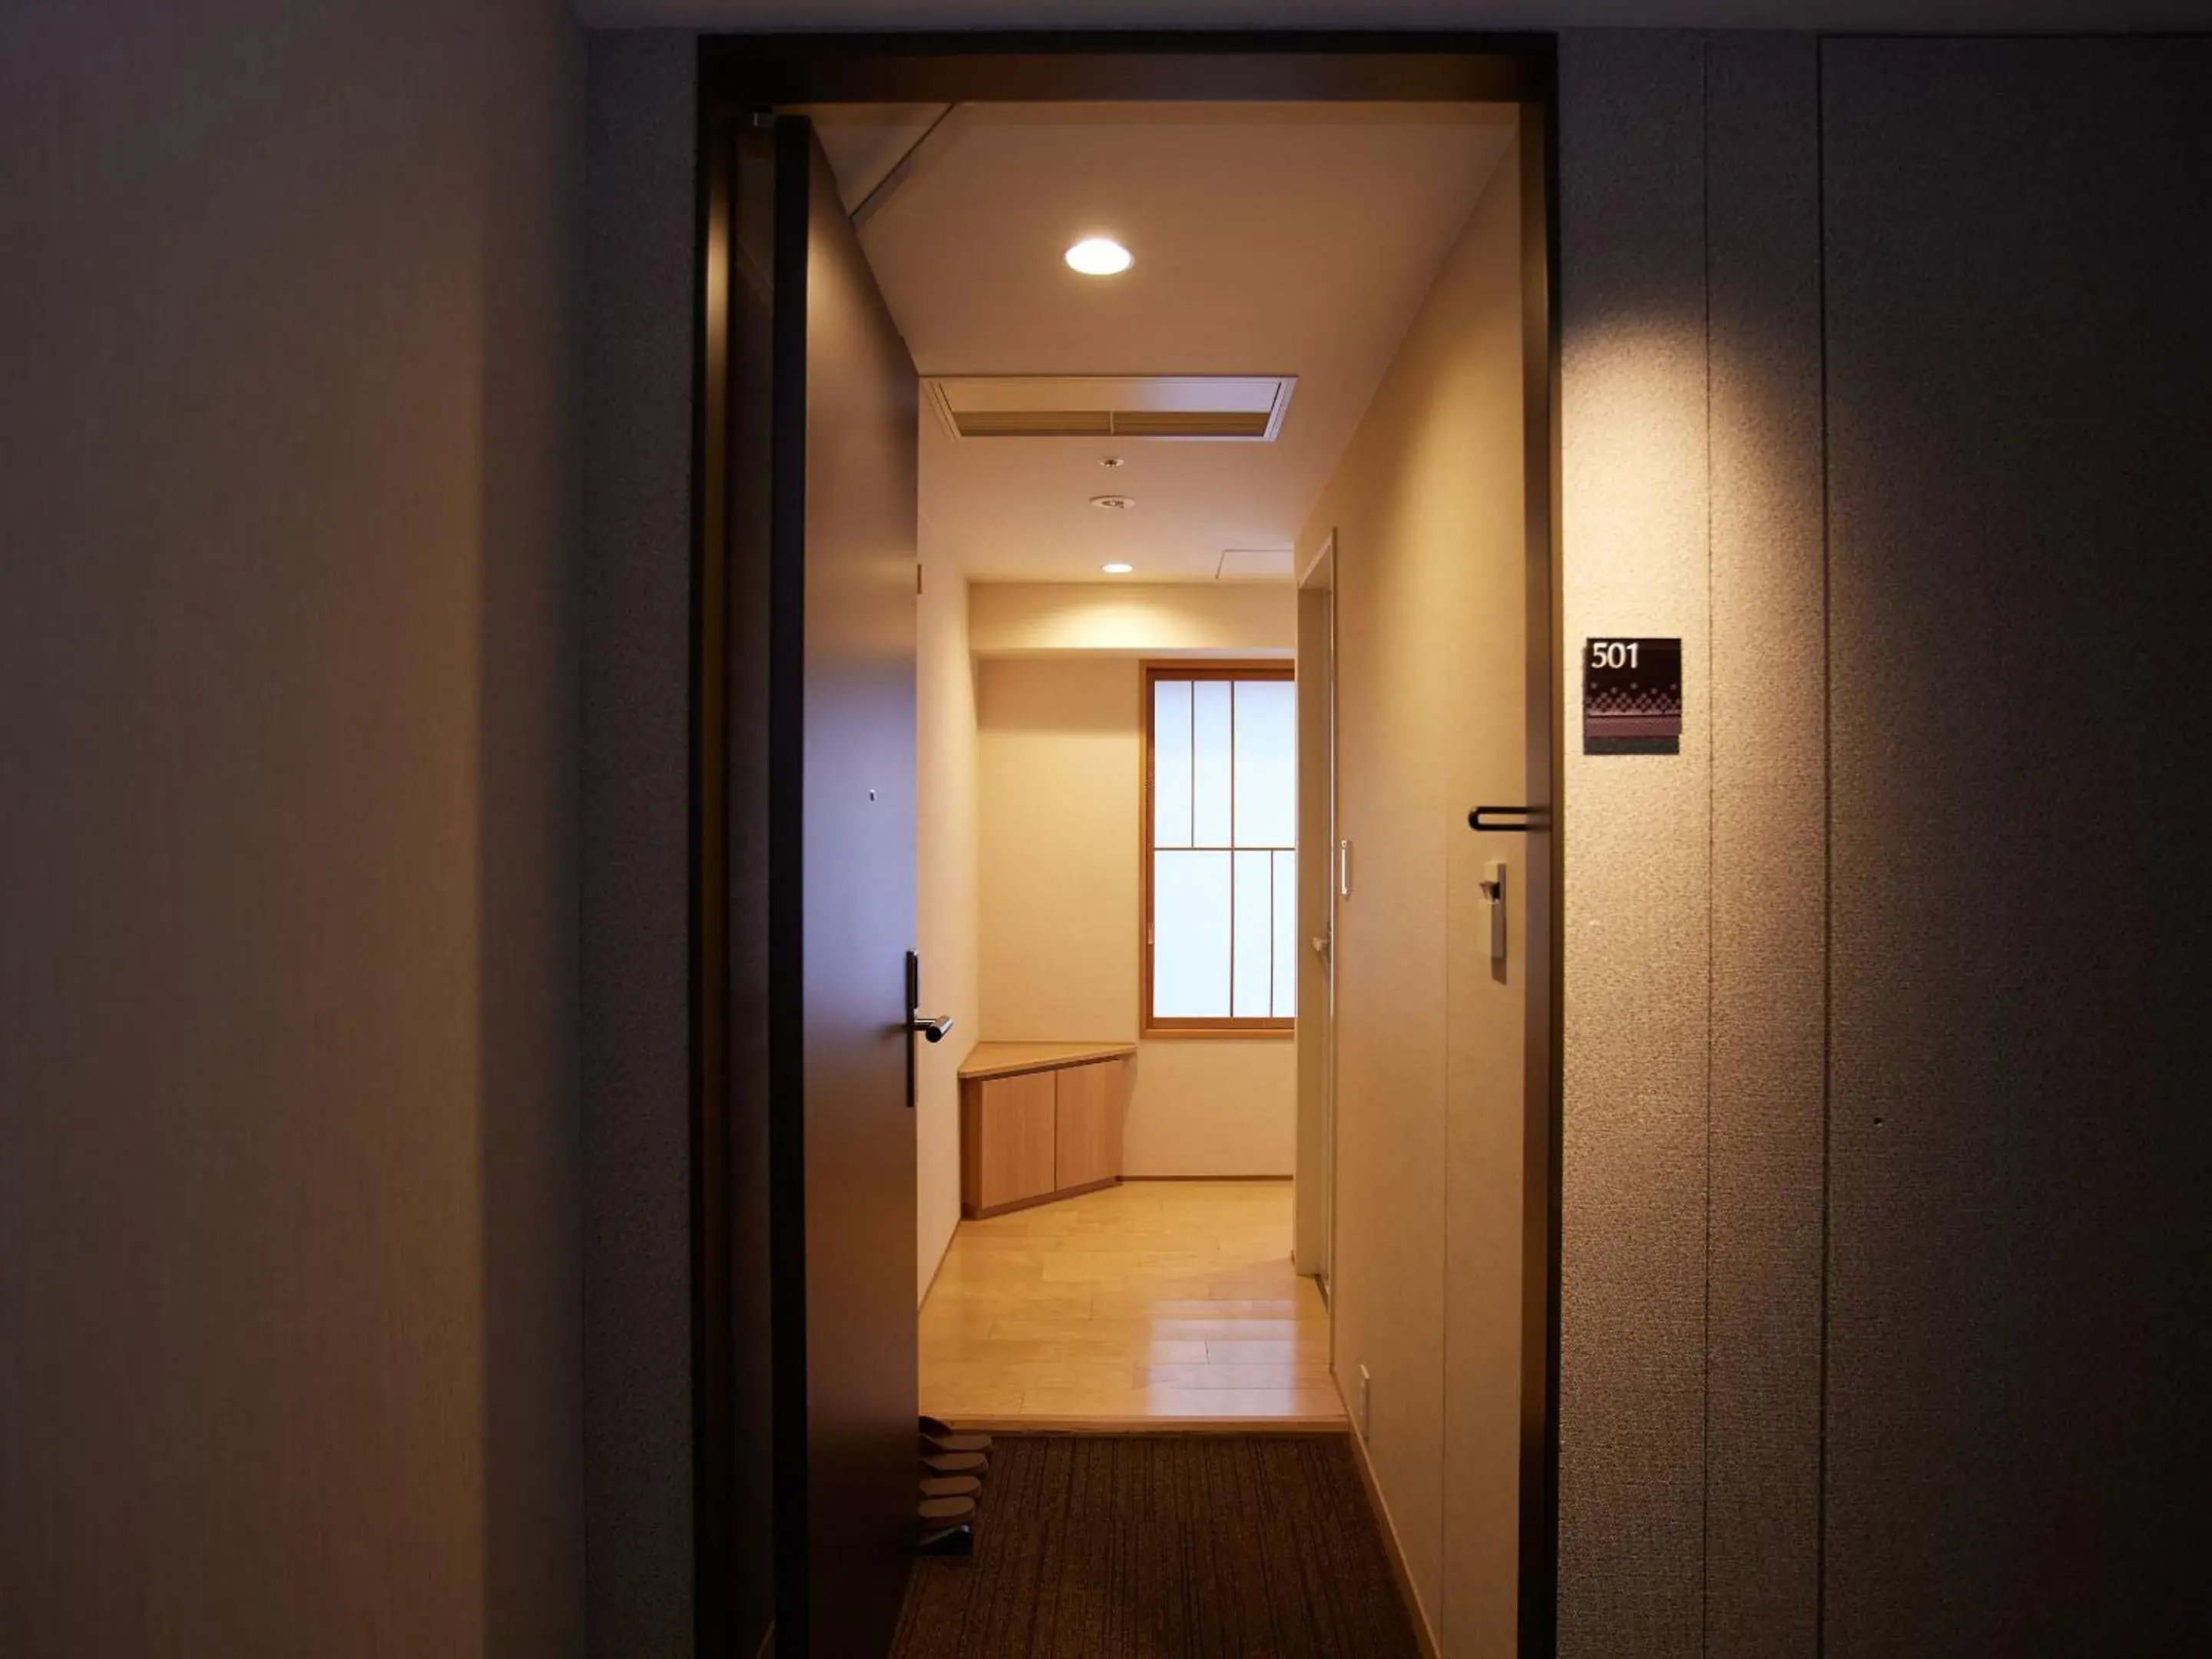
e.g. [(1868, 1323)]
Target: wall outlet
[(1366, 1412)]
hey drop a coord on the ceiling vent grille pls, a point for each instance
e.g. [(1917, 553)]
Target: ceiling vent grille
[(1244, 408)]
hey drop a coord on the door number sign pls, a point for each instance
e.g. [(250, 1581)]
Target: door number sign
[(1631, 696)]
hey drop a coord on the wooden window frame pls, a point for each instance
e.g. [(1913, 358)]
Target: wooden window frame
[(1269, 1026)]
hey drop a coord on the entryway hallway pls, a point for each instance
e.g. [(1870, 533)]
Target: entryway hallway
[(1153, 1301)]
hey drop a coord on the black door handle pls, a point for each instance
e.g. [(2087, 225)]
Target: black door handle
[(1532, 818)]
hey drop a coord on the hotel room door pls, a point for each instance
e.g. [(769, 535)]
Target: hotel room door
[(806, 707)]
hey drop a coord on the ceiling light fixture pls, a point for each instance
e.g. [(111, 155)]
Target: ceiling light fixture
[(1117, 569), (1114, 504), (1098, 256), (1109, 461)]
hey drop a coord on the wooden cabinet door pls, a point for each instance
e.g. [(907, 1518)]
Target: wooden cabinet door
[(1088, 1110), (1014, 1139)]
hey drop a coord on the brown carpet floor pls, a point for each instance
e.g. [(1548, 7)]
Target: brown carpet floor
[(1184, 1547)]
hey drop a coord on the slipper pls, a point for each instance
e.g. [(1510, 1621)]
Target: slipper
[(942, 1511), (942, 1433), (955, 1463)]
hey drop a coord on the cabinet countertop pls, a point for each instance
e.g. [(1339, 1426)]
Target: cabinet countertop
[(989, 1060)]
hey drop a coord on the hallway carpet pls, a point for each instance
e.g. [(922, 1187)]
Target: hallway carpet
[(1165, 1547)]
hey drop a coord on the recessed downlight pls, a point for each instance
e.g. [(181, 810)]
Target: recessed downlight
[(1117, 569), (1098, 256), (1114, 504)]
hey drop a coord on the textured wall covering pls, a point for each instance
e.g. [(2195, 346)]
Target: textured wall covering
[(1637, 850), (289, 1173), (1999, 1096), (1769, 901), (2019, 262), (635, 805)]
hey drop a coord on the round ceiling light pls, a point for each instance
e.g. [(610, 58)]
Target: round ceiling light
[(1117, 569), (1114, 504), (1098, 256)]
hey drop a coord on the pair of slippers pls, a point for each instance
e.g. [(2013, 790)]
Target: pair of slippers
[(953, 1466)]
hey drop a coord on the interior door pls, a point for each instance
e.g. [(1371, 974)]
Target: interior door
[(840, 914)]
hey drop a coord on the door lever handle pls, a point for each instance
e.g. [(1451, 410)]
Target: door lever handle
[(933, 1031)]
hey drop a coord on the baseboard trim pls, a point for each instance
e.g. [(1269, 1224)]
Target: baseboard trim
[(1128, 1178), (1423, 1632), (985, 1212), (944, 1250)]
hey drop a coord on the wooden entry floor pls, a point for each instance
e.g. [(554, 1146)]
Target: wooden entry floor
[(1146, 1305)]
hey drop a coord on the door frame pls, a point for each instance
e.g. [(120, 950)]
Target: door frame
[(742, 75), (1319, 1184)]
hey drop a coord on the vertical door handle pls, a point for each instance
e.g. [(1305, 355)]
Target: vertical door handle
[(913, 1001)]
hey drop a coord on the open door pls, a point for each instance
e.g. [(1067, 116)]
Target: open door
[(806, 728)]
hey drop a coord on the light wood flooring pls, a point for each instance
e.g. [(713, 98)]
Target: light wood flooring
[(1150, 1304)]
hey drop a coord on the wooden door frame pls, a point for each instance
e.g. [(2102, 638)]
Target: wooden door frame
[(743, 75)]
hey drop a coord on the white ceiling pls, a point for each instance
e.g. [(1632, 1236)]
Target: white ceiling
[(1269, 239), (1910, 16)]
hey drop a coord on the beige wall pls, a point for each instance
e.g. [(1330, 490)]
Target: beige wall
[(945, 892), (1430, 583), (289, 1167), (1161, 619), (1061, 756)]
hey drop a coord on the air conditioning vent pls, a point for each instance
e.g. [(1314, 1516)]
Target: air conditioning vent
[(1244, 408), (1196, 423), (1033, 423)]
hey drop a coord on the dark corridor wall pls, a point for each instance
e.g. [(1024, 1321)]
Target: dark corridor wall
[(288, 1180), (1888, 383), (2020, 490)]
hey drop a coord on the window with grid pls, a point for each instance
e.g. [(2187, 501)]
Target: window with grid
[(1220, 848)]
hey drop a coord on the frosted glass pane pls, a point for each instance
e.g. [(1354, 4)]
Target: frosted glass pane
[(1255, 949), (1190, 935), (1210, 825), (1266, 762), (1286, 935), (1171, 763)]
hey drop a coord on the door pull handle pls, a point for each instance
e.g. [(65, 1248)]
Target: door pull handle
[(932, 1030), (1531, 818)]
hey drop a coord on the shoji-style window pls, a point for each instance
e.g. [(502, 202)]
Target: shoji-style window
[(1220, 846)]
